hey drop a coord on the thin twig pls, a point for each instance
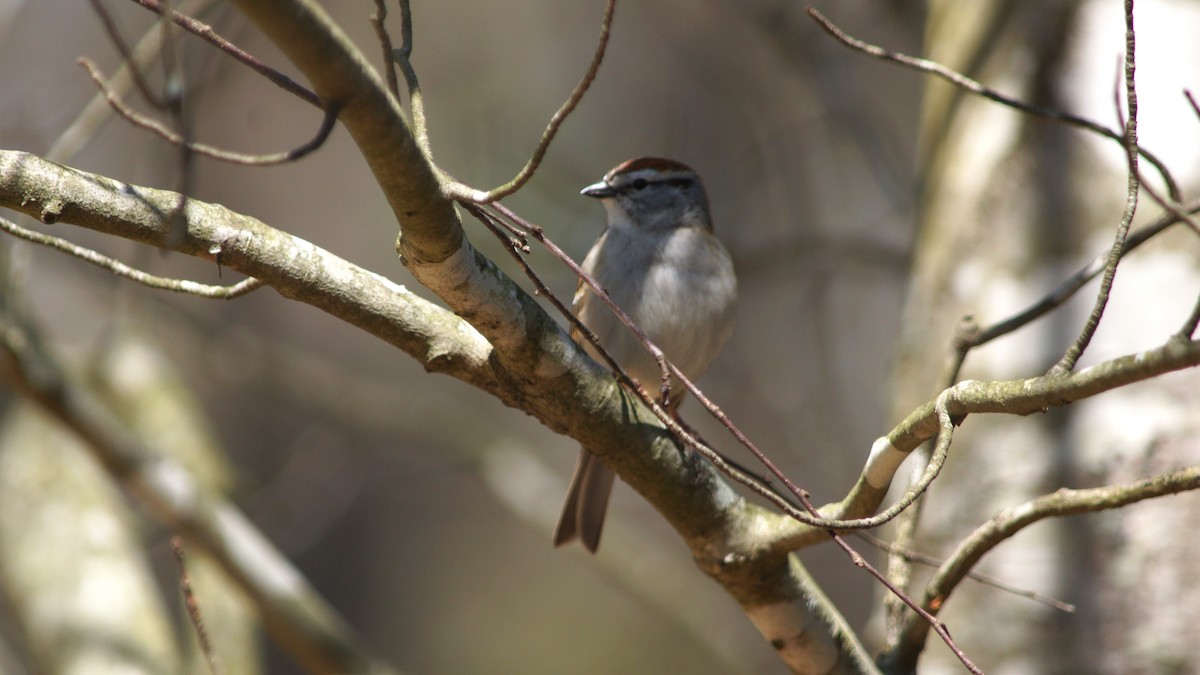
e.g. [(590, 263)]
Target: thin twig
[(1172, 207), (970, 335), (1189, 326), (91, 117), (986, 579), (164, 132), (945, 432), (172, 100), (937, 624), (205, 32), (193, 608), (1012, 520), (1195, 108), (968, 84), (115, 38), (378, 18), (1071, 356), (462, 192), (122, 270), (416, 101)]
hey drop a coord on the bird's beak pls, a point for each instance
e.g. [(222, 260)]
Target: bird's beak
[(598, 190)]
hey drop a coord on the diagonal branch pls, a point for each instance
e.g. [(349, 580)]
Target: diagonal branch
[(299, 618), (122, 270), (1071, 356), (1012, 520), (174, 138), (970, 85), (1013, 397), (565, 390), (556, 120), (440, 341), (206, 33)]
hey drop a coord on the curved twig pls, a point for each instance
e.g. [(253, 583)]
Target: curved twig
[(174, 138), (378, 17), (968, 84), (402, 56), (919, 558), (1072, 354), (206, 33), (193, 608), (465, 193), (1012, 520), (122, 270)]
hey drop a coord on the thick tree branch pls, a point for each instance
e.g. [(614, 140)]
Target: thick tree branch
[(340, 74), (297, 269), (575, 397)]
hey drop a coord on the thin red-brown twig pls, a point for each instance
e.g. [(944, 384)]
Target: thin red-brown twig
[(465, 193), (779, 501), (193, 608), (212, 152), (206, 33), (986, 579)]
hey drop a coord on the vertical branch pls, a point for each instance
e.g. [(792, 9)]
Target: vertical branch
[(1067, 363), (193, 608), (385, 42), (402, 56)]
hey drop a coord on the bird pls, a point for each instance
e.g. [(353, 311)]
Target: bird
[(658, 260)]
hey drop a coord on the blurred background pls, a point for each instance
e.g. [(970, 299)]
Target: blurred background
[(423, 509)]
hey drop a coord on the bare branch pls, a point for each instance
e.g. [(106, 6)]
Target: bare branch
[(115, 38), (986, 579), (193, 608), (1014, 397), (968, 84), (152, 125), (1070, 285), (1068, 360), (205, 32), (556, 121), (303, 623), (435, 337), (402, 56), (1179, 211), (122, 270), (86, 124), (378, 17), (1008, 522), (1189, 326)]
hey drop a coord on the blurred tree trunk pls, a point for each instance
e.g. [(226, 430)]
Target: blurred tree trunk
[(1011, 206)]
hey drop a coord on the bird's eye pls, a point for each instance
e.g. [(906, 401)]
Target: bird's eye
[(640, 184)]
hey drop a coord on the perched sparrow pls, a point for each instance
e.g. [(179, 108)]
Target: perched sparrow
[(659, 261)]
